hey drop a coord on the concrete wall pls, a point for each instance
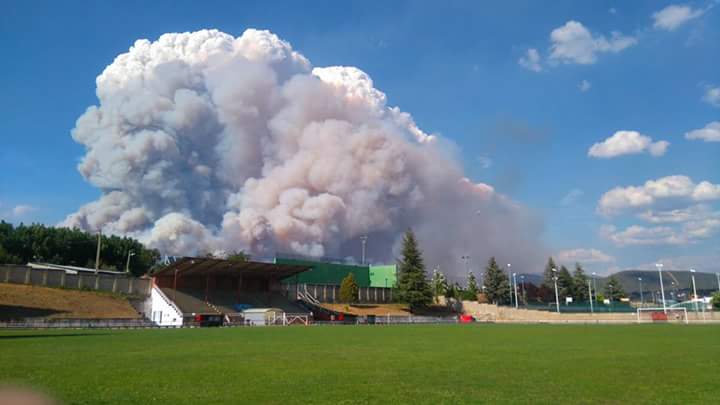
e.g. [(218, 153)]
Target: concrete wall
[(494, 313), (59, 279), (163, 312)]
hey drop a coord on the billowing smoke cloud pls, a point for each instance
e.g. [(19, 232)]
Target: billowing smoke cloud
[(202, 141)]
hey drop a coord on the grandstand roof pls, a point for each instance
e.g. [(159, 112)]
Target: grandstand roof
[(201, 266)]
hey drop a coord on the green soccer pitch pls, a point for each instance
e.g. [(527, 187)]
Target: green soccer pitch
[(370, 364)]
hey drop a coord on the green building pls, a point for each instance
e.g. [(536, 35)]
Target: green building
[(328, 273)]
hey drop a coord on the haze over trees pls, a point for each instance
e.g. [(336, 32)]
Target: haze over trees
[(39, 243)]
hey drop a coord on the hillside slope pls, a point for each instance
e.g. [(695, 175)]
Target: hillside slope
[(26, 301)]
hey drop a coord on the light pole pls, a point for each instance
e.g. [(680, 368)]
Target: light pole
[(592, 309), (662, 288), (127, 264), (97, 252), (516, 296), (594, 284), (557, 297), (641, 292), (363, 240), (718, 279), (695, 296), (522, 289), (509, 266)]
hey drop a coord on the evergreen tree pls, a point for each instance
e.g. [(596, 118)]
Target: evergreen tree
[(349, 289), (413, 287), (613, 289), (566, 284), (581, 284), (472, 287), (548, 275), (497, 286), (439, 284)]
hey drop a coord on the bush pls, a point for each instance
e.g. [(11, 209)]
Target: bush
[(349, 289), (716, 301)]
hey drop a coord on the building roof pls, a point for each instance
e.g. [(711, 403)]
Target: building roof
[(202, 266)]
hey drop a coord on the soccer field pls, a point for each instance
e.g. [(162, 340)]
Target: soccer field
[(370, 364)]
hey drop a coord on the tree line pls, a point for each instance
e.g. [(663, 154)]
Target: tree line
[(416, 289), (39, 243)]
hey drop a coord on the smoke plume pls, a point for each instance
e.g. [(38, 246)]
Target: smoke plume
[(202, 141)]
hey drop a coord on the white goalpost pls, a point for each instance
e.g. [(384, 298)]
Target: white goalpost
[(662, 315)]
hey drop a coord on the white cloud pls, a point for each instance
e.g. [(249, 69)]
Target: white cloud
[(584, 86), (531, 60), (674, 216), (571, 197), (573, 43), (627, 143), (711, 133), (640, 235), (22, 209), (485, 162), (612, 10), (678, 187), (712, 96), (672, 17), (584, 256)]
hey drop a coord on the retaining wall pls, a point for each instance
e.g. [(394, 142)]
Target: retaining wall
[(121, 284)]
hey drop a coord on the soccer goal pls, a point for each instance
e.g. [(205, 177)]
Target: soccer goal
[(662, 315)]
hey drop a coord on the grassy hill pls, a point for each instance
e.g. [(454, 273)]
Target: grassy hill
[(27, 301)]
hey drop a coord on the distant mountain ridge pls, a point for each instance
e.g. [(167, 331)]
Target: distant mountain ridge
[(706, 283)]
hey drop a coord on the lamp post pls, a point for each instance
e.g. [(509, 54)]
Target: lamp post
[(557, 297), (509, 266), (592, 309), (363, 240), (641, 292), (594, 284), (127, 264), (662, 288), (97, 252), (516, 295), (695, 296), (718, 279)]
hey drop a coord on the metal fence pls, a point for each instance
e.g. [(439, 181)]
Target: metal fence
[(78, 323), (121, 284), (331, 293), (582, 307)]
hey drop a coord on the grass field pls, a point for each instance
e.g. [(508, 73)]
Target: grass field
[(366, 364)]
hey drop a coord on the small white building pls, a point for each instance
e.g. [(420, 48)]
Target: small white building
[(262, 316)]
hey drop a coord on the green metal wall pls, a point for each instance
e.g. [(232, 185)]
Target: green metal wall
[(383, 276), (327, 273)]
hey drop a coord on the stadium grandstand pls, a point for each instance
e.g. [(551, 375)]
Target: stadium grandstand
[(209, 291)]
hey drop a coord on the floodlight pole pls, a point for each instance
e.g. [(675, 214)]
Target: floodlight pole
[(363, 240), (662, 288), (127, 264), (592, 309), (509, 267), (718, 280), (557, 297), (97, 252), (516, 295), (641, 292), (594, 284), (695, 296)]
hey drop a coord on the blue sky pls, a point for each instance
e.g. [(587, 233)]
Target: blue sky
[(455, 67)]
